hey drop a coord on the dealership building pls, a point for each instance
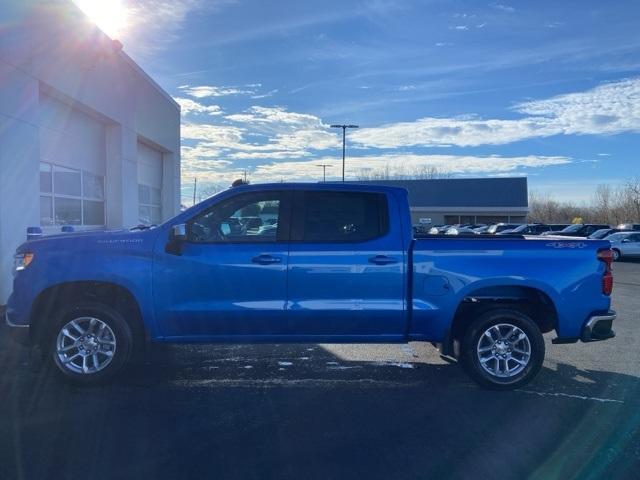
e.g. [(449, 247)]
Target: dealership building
[(465, 200), (87, 138)]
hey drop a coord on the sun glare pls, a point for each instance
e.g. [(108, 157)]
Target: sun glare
[(109, 15)]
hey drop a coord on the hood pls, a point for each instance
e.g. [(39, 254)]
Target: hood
[(90, 240)]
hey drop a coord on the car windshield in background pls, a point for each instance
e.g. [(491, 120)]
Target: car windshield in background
[(616, 237), (572, 229), (600, 234)]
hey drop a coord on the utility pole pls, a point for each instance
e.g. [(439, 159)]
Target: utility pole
[(344, 136), (324, 170), (245, 176), (195, 188)]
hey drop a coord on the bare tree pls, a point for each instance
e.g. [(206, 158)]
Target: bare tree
[(632, 189), (422, 172)]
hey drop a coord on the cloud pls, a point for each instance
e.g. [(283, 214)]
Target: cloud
[(223, 172), (453, 164), (205, 91), (270, 93), (605, 110), (188, 106), (503, 7), (288, 135), (459, 27)]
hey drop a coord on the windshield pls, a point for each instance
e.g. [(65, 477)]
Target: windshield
[(617, 237), (572, 229)]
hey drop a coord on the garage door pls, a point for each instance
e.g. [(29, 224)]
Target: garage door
[(149, 185), (72, 165)]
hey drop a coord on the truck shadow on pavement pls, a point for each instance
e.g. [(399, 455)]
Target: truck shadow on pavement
[(191, 367), (300, 411)]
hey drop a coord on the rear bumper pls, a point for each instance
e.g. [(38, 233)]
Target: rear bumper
[(598, 327)]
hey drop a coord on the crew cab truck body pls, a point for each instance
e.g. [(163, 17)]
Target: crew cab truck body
[(307, 263)]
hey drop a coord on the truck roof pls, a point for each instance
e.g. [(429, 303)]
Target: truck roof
[(347, 187)]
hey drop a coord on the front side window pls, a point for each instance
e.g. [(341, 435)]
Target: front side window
[(70, 197), (244, 218), (325, 216)]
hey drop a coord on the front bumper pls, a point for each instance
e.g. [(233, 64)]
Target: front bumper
[(598, 327), (17, 333)]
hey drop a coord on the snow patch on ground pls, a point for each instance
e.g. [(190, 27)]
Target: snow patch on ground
[(394, 364), (285, 364)]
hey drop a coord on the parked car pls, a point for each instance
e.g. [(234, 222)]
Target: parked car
[(578, 230), (629, 226), (342, 266), (467, 229), (528, 229), (625, 244), (481, 230), (501, 227), (439, 229)]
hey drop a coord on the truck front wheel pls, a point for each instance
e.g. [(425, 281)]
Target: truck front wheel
[(503, 349), (89, 343)]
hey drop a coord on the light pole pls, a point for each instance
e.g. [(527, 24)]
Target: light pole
[(324, 170), (344, 135)]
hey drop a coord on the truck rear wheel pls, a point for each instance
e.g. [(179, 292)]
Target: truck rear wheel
[(89, 343), (503, 349)]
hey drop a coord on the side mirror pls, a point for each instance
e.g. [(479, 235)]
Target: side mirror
[(177, 236), (225, 228), (179, 232)]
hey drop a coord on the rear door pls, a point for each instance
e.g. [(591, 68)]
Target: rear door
[(346, 265)]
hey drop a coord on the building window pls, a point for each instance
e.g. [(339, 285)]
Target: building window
[(149, 205), (70, 197)]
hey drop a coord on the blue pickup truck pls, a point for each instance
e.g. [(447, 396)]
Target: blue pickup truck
[(307, 263)]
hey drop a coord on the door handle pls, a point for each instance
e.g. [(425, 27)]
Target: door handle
[(382, 260), (265, 259)]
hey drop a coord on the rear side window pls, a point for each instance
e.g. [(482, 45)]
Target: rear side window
[(326, 216)]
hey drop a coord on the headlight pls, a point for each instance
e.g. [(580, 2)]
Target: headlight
[(22, 261)]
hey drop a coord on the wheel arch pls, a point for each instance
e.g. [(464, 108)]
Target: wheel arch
[(56, 296), (531, 301)]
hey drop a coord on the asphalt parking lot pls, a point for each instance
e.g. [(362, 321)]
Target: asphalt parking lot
[(331, 411)]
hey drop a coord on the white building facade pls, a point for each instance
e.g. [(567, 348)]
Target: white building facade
[(87, 138)]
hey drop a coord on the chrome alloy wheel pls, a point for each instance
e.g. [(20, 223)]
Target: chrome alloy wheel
[(504, 350), (85, 345)]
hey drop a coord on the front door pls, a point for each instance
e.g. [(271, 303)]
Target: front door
[(230, 276), (346, 266)]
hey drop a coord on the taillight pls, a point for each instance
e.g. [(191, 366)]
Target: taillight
[(606, 256)]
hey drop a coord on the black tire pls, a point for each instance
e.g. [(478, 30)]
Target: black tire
[(617, 255), (122, 349), (471, 343)]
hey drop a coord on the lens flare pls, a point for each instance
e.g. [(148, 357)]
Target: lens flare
[(109, 15)]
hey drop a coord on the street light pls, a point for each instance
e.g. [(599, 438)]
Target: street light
[(324, 170), (344, 134)]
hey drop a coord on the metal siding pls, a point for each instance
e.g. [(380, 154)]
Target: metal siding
[(463, 192)]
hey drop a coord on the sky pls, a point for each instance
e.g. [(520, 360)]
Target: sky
[(545, 89)]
